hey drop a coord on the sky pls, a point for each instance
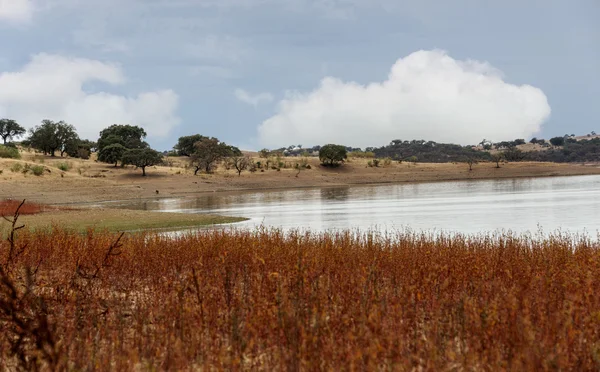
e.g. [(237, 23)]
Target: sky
[(274, 73)]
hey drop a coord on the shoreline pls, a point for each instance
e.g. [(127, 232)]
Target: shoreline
[(89, 187), (192, 194)]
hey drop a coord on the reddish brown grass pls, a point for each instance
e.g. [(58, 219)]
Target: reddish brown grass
[(8, 207), (269, 301)]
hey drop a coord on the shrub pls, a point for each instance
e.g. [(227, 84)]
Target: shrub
[(16, 167), (64, 167), (387, 162), (9, 152), (38, 170)]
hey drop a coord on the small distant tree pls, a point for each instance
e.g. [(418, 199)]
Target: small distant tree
[(130, 136), (142, 158), (264, 153), (514, 154), (185, 144), (67, 137), (497, 158), (112, 153), (519, 141), (10, 129), (470, 162), (81, 149), (53, 136), (208, 152), (412, 159), (240, 163), (332, 155), (557, 141)]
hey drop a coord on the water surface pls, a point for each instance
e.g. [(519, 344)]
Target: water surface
[(521, 205)]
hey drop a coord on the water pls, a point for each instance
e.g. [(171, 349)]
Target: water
[(571, 204)]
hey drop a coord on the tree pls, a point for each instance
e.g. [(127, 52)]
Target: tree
[(112, 153), (497, 158), (470, 162), (81, 149), (240, 163), (557, 141), (53, 136), (208, 152), (264, 153), (10, 129), (185, 144), (67, 137), (333, 154), (130, 136), (514, 154), (142, 158)]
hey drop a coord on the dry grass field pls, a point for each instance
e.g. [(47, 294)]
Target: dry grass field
[(262, 300)]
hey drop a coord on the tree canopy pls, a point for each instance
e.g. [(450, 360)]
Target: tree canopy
[(129, 136), (208, 152), (112, 153), (185, 144), (51, 136), (142, 158), (10, 129), (557, 141), (333, 154)]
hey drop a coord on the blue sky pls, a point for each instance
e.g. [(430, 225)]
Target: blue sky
[(272, 73)]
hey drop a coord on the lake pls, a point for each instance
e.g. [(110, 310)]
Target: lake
[(571, 204)]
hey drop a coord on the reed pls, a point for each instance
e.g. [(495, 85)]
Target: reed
[(268, 300)]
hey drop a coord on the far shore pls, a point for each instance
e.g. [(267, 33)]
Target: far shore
[(88, 181)]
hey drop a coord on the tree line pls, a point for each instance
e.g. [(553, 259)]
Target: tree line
[(125, 144)]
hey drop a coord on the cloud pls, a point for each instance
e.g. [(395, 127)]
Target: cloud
[(251, 99), (61, 88), (16, 10), (427, 95)]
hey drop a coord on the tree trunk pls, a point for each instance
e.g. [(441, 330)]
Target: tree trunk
[(143, 171), (4, 139), (196, 171)]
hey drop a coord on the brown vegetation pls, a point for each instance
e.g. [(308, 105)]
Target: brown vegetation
[(8, 207), (270, 301)]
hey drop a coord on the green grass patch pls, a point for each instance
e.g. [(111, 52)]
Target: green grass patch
[(119, 220), (9, 152)]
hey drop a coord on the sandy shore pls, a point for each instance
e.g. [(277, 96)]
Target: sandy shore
[(89, 181)]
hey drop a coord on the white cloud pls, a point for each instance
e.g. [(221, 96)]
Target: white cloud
[(428, 95), (58, 88), (253, 99), (16, 10)]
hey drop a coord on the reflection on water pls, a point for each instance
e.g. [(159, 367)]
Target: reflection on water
[(569, 203)]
